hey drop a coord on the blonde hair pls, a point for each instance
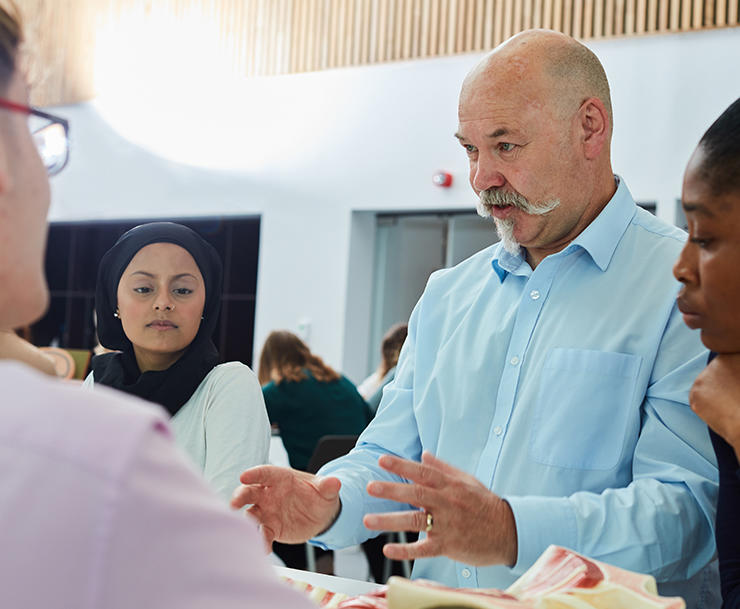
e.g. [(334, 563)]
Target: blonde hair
[(285, 357)]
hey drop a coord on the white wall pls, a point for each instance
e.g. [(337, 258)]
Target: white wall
[(306, 151)]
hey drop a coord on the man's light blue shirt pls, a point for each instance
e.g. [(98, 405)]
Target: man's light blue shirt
[(563, 389)]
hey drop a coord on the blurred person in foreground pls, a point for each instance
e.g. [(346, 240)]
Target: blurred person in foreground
[(541, 396), (99, 509), (708, 270)]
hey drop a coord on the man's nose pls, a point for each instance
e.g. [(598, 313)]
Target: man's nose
[(487, 174)]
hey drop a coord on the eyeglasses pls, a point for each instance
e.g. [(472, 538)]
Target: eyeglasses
[(50, 134)]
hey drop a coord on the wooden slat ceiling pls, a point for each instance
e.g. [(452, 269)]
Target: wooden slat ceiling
[(269, 37)]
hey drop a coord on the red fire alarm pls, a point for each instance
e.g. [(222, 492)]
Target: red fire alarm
[(442, 178)]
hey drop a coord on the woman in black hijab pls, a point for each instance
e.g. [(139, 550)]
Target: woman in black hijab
[(157, 302)]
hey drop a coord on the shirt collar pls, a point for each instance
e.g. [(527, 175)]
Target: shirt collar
[(599, 239), (505, 262)]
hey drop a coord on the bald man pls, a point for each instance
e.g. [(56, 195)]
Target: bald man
[(541, 395)]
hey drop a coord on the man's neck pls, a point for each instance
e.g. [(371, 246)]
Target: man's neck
[(600, 199)]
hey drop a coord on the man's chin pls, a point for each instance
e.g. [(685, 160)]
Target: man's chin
[(505, 230)]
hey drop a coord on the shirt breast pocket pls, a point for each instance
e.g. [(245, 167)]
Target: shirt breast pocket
[(583, 408)]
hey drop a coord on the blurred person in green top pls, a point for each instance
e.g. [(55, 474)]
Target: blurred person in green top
[(306, 399)]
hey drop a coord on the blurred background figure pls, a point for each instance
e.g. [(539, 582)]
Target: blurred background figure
[(372, 387), (307, 400), (157, 302)]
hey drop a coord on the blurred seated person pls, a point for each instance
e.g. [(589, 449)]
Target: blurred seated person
[(708, 270), (372, 387), (157, 301), (390, 347), (98, 507), (307, 400), (16, 348)]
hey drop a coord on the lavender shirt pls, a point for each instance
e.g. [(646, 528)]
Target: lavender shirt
[(99, 510)]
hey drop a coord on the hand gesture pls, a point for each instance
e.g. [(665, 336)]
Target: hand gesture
[(291, 506), (461, 517), (715, 397)]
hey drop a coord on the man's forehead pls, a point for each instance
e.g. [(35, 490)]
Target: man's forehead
[(496, 89), (495, 110), (517, 75), (465, 133)]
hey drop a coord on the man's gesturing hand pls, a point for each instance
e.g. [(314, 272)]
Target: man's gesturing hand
[(291, 506), (469, 523)]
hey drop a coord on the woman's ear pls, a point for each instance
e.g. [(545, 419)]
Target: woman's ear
[(595, 127)]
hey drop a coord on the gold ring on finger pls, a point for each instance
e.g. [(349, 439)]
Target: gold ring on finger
[(430, 522)]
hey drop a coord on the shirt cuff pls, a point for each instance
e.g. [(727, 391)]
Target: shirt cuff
[(347, 528), (541, 522)]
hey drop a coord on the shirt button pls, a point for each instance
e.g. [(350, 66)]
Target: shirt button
[(514, 360), (534, 294), (466, 573), (497, 430)]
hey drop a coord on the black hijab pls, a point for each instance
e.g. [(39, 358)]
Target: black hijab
[(171, 387)]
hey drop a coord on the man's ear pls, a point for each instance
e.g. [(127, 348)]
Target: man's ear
[(595, 127)]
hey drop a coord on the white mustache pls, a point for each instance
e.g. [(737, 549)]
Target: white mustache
[(499, 198)]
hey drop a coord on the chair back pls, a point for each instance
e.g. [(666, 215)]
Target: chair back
[(82, 359), (329, 448)]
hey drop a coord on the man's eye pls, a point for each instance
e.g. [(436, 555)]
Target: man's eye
[(506, 146), (469, 148)]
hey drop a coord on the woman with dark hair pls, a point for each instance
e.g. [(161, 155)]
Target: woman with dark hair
[(98, 506), (708, 269), (157, 301)]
